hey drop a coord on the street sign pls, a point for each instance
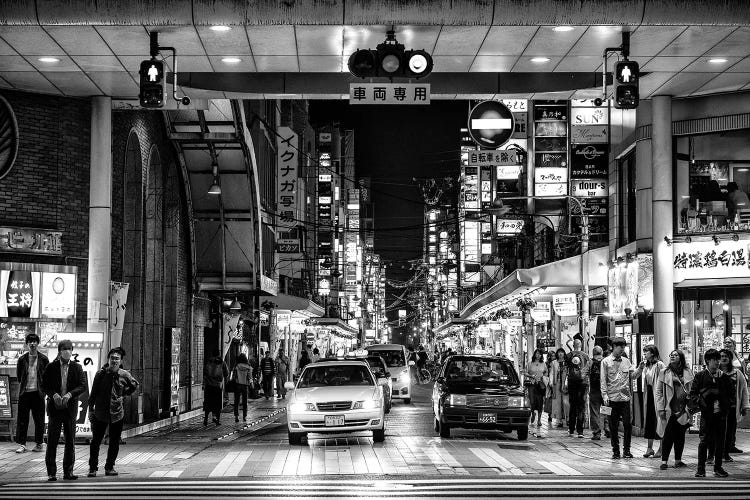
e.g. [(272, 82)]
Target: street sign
[(389, 93), (491, 124), (493, 157)]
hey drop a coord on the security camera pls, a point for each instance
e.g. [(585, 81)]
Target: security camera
[(598, 101), (185, 100)]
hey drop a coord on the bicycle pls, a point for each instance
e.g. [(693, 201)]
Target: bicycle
[(425, 375)]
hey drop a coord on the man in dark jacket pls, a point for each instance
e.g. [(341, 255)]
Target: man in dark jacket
[(711, 394), (63, 381), (595, 395), (29, 372), (111, 384), (268, 370)]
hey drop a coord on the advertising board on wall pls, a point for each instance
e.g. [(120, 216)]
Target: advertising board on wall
[(706, 259), (565, 304), (34, 294)]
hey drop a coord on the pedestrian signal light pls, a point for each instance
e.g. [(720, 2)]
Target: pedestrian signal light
[(152, 87), (626, 79)]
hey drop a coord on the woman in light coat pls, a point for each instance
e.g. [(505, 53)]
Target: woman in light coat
[(558, 375), (672, 389), (653, 427), (741, 403)]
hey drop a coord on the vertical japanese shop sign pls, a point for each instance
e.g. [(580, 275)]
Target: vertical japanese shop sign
[(286, 181), (174, 378), (118, 298)]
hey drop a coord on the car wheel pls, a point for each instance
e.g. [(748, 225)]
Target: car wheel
[(295, 438), (523, 433), (378, 435), (444, 429), (407, 401)]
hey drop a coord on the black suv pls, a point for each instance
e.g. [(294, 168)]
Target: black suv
[(480, 392)]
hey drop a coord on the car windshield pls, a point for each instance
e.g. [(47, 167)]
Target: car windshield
[(393, 358), (376, 365), (335, 375), (479, 370)]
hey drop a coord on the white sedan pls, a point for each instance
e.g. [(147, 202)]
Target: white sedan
[(335, 397)]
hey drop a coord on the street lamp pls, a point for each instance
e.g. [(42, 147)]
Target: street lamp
[(500, 209)]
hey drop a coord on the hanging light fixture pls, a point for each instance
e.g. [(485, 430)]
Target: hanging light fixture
[(235, 305), (215, 188)]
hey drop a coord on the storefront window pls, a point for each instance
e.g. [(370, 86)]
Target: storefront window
[(712, 182), (707, 315)]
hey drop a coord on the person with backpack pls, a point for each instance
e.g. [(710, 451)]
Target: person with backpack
[(243, 380), (576, 385), (267, 370), (215, 371)]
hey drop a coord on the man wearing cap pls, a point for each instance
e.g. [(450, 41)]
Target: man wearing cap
[(63, 381), (616, 373)]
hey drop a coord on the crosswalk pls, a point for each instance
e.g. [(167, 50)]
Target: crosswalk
[(508, 487)]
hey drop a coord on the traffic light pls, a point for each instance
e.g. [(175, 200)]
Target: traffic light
[(390, 59), (626, 84), (152, 87)]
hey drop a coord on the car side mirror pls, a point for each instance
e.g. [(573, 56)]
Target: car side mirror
[(440, 380), (289, 386), (382, 381), (411, 363)]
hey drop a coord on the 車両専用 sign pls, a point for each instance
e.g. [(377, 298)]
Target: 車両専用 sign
[(389, 93)]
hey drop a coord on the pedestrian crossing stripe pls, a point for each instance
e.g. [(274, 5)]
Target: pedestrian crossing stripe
[(231, 464), (560, 468), (494, 459), (166, 473)]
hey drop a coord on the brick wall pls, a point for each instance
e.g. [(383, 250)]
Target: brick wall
[(48, 186)]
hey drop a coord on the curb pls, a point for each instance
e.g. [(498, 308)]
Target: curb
[(253, 423), (142, 429)]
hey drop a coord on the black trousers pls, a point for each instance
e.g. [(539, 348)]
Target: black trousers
[(268, 386), (712, 434), (674, 434), (30, 402), (98, 429), (61, 420), (731, 434), (577, 400), (620, 410), (240, 394)]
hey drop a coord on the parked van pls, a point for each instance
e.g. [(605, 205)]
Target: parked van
[(396, 356)]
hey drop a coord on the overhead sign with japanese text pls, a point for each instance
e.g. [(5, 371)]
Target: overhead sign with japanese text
[(287, 156), (30, 240), (493, 157), (565, 304), (706, 259), (389, 93)]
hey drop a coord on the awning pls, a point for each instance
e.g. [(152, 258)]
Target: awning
[(337, 325), (562, 276), (297, 305), (709, 282)]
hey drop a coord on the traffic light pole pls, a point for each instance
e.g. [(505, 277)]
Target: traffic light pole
[(625, 50)]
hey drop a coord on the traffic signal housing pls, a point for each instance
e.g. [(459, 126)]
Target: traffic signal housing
[(152, 83), (626, 77), (390, 59)]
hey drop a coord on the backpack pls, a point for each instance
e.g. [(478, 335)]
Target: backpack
[(575, 377), (214, 372)]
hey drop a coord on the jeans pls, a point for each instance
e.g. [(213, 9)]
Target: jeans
[(240, 393), (61, 420), (712, 433), (620, 410), (577, 399), (98, 428), (674, 433), (30, 402), (595, 403)]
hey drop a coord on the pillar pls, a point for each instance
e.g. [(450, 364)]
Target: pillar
[(662, 223), (100, 220)]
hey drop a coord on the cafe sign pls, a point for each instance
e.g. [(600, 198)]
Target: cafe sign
[(707, 260)]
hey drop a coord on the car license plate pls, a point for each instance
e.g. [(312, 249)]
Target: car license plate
[(487, 418), (334, 420)]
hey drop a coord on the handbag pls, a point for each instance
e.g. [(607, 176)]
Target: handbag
[(684, 419), (605, 410)]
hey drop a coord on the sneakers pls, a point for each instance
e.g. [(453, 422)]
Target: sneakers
[(21, 449), (70, 477), (51, 478), (664, 466), (627, 454), (700, 473), (710, 459), (720, 472), (570, 434), (92, 473), (649, 453), (596, 437), (580, 436), (727, 458), (38, 447), (679, 464), (111, 472), (616, 455), (734, 449)]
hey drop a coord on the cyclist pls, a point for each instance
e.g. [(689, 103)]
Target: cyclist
[(421, 365)]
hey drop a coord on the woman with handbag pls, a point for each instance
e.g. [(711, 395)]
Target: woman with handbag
[(242, 376), (536, 384), (558, 375), (672, 390)]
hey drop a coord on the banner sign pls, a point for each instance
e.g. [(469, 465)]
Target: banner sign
[(30, 240), (589, 161), (542, 312), (565, 304), (493, 157), (118, 298), (389, 93), (588, 134), (287, 158), (174, 377), (706, 259)]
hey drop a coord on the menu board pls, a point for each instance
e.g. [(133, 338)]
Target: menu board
[(6, 411)]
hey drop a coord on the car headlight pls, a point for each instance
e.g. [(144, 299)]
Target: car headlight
[(368, 404), (516, 401), (405, 378), (458, 400), (300, 407)]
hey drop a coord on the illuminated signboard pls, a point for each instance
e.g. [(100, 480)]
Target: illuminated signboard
[(32, 294), (509, 226)]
